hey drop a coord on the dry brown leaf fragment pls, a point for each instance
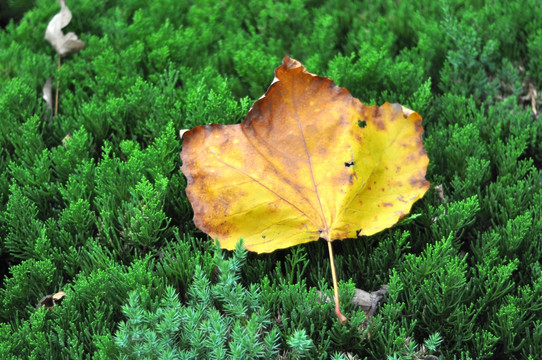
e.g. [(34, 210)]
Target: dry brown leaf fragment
[(439, 189), (532, 97), (58, 297), (66, 140), (50, 301), (368, 301), (62, 43), (46, 301)]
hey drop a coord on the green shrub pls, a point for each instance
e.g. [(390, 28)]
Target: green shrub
[(93, 203), (221, 320)]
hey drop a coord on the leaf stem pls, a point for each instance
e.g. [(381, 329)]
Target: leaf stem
[(341, 317), (57, 86)]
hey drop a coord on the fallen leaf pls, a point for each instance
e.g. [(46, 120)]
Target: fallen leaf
[(367, 301), (46, 301), (63, 43), (66, 140), (439, 189), (58, 297), (533, 95), (50, 301), (48, 93), (309, 162)]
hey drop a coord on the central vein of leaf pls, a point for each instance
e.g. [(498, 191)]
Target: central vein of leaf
[(325, 230)]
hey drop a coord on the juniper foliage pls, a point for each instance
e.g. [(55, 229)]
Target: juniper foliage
[(92, 200)]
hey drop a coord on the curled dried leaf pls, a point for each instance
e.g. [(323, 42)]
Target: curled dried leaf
[(64, 44), (66, 140), (58, 297), (368, 301), (48, 93), (46, 301), (50, 301)]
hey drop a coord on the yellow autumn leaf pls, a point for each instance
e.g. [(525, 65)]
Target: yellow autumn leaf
[(309, 162)]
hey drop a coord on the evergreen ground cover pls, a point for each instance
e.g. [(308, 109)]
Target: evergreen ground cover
[(92, 200)]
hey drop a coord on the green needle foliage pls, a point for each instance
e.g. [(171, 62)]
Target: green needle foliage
[(221, 320), (92, 200)]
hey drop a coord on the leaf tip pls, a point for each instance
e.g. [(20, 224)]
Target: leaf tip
[(290, 63)]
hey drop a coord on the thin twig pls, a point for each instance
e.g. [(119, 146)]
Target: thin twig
[(57, 86)]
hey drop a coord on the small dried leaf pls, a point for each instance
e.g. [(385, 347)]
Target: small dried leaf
[(49, 301), (48, 93), (58, 297), (367, 301), (63, 44), (46, 301), (66, 140), (532, 97)]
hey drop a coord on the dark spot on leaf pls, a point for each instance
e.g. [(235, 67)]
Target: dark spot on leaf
[(387, 204), (348, 164), (362, 123), (380, 124), (263, 236), (383, 189)]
